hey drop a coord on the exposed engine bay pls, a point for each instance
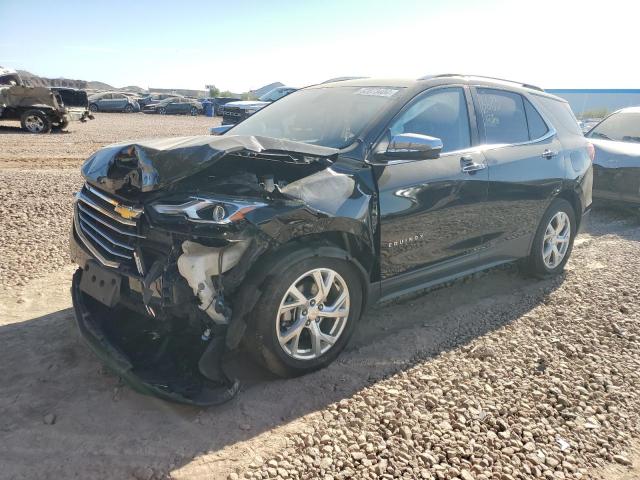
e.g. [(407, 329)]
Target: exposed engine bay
[(166, 233)]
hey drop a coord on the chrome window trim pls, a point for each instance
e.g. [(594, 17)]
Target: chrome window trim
[(492, 146)]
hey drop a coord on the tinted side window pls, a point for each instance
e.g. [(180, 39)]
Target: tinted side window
[(621, 127), (441, 114), (537, 127), (502, 116)]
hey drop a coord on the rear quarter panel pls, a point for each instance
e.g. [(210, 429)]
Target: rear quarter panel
[(578, 170)]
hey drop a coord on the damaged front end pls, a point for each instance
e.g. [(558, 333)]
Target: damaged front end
[(165, 233)]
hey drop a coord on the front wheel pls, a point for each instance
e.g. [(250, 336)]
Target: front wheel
[(93, 108), (194, 111), (305, 315), (162, 111), (554, 240)]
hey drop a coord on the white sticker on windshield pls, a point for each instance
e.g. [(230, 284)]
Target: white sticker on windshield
[(377, 91)]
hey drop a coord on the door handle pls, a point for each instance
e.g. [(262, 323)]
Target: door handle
[(549, 154), (469, 166)]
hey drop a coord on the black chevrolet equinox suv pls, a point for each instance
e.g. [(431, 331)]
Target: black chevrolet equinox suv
[(275, 234)]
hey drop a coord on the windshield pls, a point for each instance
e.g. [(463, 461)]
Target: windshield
[(620, 127), (330, 117), (272, 95)]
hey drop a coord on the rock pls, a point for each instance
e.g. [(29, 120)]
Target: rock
[(622, 460), (482, 352), (143, 473), (49, 419), (406, 432), (233, 476), (466, 475)]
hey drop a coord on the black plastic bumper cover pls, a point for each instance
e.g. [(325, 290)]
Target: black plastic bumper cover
[(120, 364)]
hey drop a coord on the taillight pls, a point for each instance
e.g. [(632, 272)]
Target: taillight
[(592, 151)]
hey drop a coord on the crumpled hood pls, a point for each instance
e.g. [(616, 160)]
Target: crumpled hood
[(152, 164)]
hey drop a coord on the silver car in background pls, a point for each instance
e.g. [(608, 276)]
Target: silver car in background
[(113, 102)]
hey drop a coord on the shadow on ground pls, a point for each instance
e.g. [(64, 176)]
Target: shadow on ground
[(103, 429)]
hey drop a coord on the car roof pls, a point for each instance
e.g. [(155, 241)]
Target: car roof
[(628, 110), (427, 81)]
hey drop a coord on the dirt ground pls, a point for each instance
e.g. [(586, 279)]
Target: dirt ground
[(541, 357)]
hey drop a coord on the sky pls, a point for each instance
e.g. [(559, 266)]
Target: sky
[(245, 44)]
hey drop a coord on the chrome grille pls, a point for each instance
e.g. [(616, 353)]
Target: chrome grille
[(109, 236)]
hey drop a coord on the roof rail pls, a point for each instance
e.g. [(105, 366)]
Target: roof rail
[(526, 85)]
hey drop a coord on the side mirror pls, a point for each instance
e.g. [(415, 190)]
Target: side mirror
[(414, 146), (221, 130)]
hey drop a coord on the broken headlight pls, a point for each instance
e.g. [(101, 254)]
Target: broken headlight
[(209, 210)]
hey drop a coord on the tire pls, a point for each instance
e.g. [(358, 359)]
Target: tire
[(35, 121), (162, 111), (541, 264), (194, 111), (128, 108), (93, 108), (267, 326)]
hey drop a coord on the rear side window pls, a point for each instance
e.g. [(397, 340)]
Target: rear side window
[(537, 127), (502, 116), (559, 114)]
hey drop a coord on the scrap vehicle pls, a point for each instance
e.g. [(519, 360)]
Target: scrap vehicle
[(220, 102), (175, 105), (278, 232), (113, 102), (616, 167), (235, 112), (39, 109)]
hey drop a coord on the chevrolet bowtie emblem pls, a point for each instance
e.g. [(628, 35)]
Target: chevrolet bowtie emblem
[(127, 212)]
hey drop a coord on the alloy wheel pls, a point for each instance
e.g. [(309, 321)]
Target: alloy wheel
[(555, 243), (34, 124), (313, 314)]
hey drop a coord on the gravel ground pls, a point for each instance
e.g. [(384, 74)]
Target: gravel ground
[(73, 146), (552, 394), (495, 377), (40, 173)]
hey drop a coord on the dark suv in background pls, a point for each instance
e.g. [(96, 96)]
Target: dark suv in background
[(235, 112), (281, 231)]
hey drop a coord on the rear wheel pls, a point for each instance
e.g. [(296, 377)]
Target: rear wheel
[(162, 111), (35, 121), (553, 242), (194, 111), (305, 314), (128, 108)]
